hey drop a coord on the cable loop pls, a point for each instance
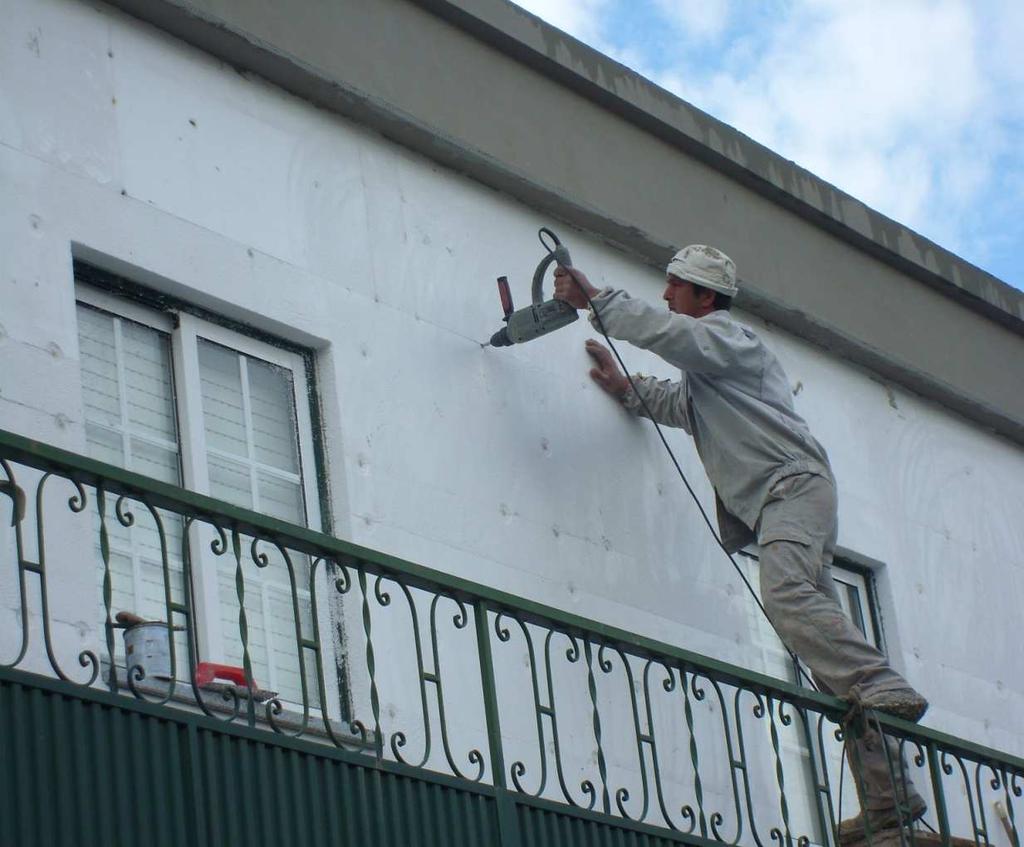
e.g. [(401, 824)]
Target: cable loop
[(540, 237)]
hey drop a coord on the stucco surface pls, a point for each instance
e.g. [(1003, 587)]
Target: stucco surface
[(507, 467), (493, 92)]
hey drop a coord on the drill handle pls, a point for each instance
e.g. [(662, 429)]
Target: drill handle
[(559, 254), (506, 297)]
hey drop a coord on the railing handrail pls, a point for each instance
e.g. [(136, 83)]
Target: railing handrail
[(79, 468)]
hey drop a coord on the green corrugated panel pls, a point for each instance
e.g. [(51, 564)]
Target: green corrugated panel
[(260, 793), (549, 828), (87, 771), (78, 773)]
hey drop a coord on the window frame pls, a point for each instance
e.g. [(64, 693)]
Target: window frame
[(136, 299), (184, 326), (862, 580), (846, 572)]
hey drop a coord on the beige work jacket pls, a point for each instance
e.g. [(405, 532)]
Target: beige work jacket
[(733, 398)]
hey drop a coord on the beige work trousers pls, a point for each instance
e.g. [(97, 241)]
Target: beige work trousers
[(797, 535)]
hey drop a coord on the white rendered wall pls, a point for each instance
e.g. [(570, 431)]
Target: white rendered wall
[(507, 467)]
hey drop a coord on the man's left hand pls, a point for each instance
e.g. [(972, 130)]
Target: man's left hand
[(572, 286)]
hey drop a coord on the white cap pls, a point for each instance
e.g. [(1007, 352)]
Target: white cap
[(705, 266)]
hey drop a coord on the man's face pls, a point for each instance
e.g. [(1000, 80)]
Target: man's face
[(682, 299)]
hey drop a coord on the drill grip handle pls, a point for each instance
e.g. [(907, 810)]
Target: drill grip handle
[(506, 296), (560, 255)]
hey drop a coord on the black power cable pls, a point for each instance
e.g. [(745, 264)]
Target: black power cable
[(682, 476)]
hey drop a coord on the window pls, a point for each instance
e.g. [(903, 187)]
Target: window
[(857, 597), (854, 592), (190, 402)]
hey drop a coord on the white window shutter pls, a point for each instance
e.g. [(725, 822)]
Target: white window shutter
[(252, 458), (128, 397)]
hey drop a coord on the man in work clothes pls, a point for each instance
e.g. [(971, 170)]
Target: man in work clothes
[(772, 481)]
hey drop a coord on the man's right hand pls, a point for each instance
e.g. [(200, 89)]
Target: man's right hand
[(606, 373), (572, 286)]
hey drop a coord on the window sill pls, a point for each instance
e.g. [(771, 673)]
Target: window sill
[(221, 701)]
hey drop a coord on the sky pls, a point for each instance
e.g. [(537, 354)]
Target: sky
[(915, 107)]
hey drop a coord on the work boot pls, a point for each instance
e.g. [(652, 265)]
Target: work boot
[(906, 704), (879, 820)]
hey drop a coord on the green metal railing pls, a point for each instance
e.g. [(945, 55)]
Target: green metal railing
[(417, 672)]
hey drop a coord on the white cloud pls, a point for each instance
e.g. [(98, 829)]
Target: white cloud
[(693, 19), (889, 101)]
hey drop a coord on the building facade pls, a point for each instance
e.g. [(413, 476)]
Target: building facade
[(249, 252)]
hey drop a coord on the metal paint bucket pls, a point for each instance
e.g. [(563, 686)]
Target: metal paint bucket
[(147, 645)]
